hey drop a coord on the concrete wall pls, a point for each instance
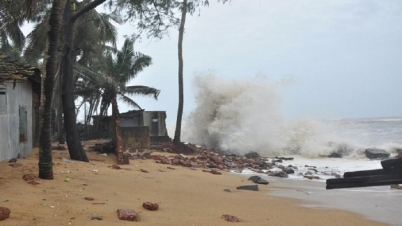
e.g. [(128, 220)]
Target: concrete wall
[(18, 96), (156, 120), (135, 138)]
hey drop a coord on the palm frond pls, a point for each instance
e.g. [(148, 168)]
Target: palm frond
[(142, 90), (129, 101)]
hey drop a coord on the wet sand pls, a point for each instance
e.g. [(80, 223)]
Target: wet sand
[(379, 203), (186, 197)]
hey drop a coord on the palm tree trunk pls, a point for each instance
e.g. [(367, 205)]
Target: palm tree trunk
[(73, 141), (177, 133), (45, 145), (116, 132)]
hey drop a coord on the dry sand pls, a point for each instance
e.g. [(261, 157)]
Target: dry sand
[(186, 197)]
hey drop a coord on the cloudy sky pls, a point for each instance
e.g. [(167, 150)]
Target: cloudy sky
[(343, 57)]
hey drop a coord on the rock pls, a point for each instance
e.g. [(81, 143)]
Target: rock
[(28, 177), (396, 186), (15, 165), (258, 180), (150, 206), (4, 213), (12, 160), (398, 150), (230, 218), (289, 170), (127, 214), (227, 190), (116, 167), (248, 187), (96, 218), (335, 155), (375, 153), (252, 154), (312, 177), (89, 198), (280, 174)]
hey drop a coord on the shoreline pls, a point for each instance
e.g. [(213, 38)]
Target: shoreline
[(380, 203), (185, 196)]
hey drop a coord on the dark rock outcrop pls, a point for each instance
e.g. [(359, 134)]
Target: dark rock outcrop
[(375, 153), (248, 187)]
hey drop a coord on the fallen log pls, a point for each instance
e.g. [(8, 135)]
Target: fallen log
[(370, 173), (392, 164), (365, 181)]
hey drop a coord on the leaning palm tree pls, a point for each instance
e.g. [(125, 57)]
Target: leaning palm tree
[(120, 69)]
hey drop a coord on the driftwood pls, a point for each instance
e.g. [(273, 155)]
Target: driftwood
[(390, 174)]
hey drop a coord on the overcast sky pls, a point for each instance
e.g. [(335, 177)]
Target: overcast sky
[(343, 56)]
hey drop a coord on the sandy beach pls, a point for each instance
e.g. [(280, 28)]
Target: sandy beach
[(185, 196)]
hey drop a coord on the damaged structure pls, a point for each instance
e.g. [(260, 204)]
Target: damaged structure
[(19, 108)]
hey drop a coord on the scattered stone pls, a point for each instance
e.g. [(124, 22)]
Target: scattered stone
[(171, 168), (28, 177), (279, 174), (4, 213), (375, 153), (150, 206), (230, 218), (289, 170), (396, 186), (227, 190), (248, 187), (144, 171), (12, 160), (258, 180), (127, 214), (15, 165), (116, 167), (33, 182), (312, 177), (89, 198), (96, 218), (252, 154)]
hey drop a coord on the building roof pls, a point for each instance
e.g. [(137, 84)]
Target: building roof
[(11, 69)]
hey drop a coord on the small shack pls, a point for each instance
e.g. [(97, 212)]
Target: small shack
[(19, 108), (154, 120)]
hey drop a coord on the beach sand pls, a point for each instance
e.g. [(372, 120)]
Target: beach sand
[(185, 196)]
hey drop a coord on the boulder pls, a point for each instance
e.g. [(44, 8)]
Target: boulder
[(289, 170), (375, 153)]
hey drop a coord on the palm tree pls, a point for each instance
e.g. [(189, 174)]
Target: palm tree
[(45, 151), (120, 69), (177, 133)]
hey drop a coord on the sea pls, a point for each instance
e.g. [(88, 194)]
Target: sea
[(246, 115)]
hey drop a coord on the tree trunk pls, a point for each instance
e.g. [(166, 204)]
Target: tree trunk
[(72, 137), (177, 133), (116, 132), (45, 143), (73, 141)]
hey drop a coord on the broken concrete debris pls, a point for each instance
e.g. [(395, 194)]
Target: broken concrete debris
[(127, 214), (230, 218), (150, 206)]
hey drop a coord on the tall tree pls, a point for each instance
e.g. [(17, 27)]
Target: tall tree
[(69, 53), (177, 133), (45, 151)]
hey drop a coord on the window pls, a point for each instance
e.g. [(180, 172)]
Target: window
[(23, 124), (3, 99)]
